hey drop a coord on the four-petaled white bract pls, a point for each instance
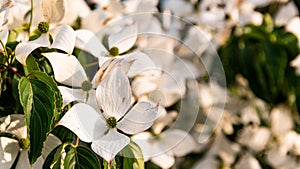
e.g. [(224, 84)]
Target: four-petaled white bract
[(113, 97)]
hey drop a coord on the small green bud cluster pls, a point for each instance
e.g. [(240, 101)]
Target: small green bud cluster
[(111, 122), (114, 51), (86, 85), (24, 143), (43, 27)]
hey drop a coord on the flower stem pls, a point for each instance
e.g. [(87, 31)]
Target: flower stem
[(4, 49), (77, 141), (31, 17), (9, 135)]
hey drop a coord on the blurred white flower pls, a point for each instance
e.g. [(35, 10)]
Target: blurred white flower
[(54, 11), (293, 26), (180, 8), (113, 97), (221, 151), (296, 64), (10, 148), (75, 9), (254, 137), (166, 82), (207, 163), (281, 120), (163, 149), (280, 159), (106, 11), (247, 161), (286, 13)]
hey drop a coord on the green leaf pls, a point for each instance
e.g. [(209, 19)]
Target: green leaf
[(53, 160), (63, 133), (38, 103), (31, 65), (41, 101), (133, 157), (262, 55), (81, 157), (49, 81)]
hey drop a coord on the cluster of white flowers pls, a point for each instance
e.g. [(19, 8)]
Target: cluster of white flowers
[(149, 81)]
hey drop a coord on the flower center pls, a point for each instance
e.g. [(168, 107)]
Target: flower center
[(86, 85), (111, 122), (24, 143), (43, 27), (114, 51)]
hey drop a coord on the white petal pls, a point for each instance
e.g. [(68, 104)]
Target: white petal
[(294, 27), (92, 100), (139, 118), (247, 161), (114, 95), (255, 138), (84, 121), (197, 41), (110, 144), (50, 143), (165, 97), (3, 37), (69, 95), (6, 4), (142, 140), (9, 149), (180, 8), (25, 48), (53, 10), (185, 69), (64, 38), (137, 63), (281, 120), (124, 39), (178, 141), (88, 41), (67, 69), (208, 162), (14, 124), (23, 161), (142, 85), (296, 64), (284, 14), (259, 3), (108, 65), (162, 158), (75, 9)]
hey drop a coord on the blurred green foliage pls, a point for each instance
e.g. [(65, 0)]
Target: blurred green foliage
[(262, 54)]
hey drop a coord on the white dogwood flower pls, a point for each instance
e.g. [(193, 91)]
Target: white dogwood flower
[(120, 42), (63, 39), (10, 148), (113, 97)]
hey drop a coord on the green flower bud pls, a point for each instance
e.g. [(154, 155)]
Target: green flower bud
[(111, 122), (43, 27), (114, 51), (86, 85), (24, 143)]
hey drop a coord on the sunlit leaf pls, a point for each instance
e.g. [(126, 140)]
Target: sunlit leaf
[(81, 157), (132, 156), (41, 102)]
